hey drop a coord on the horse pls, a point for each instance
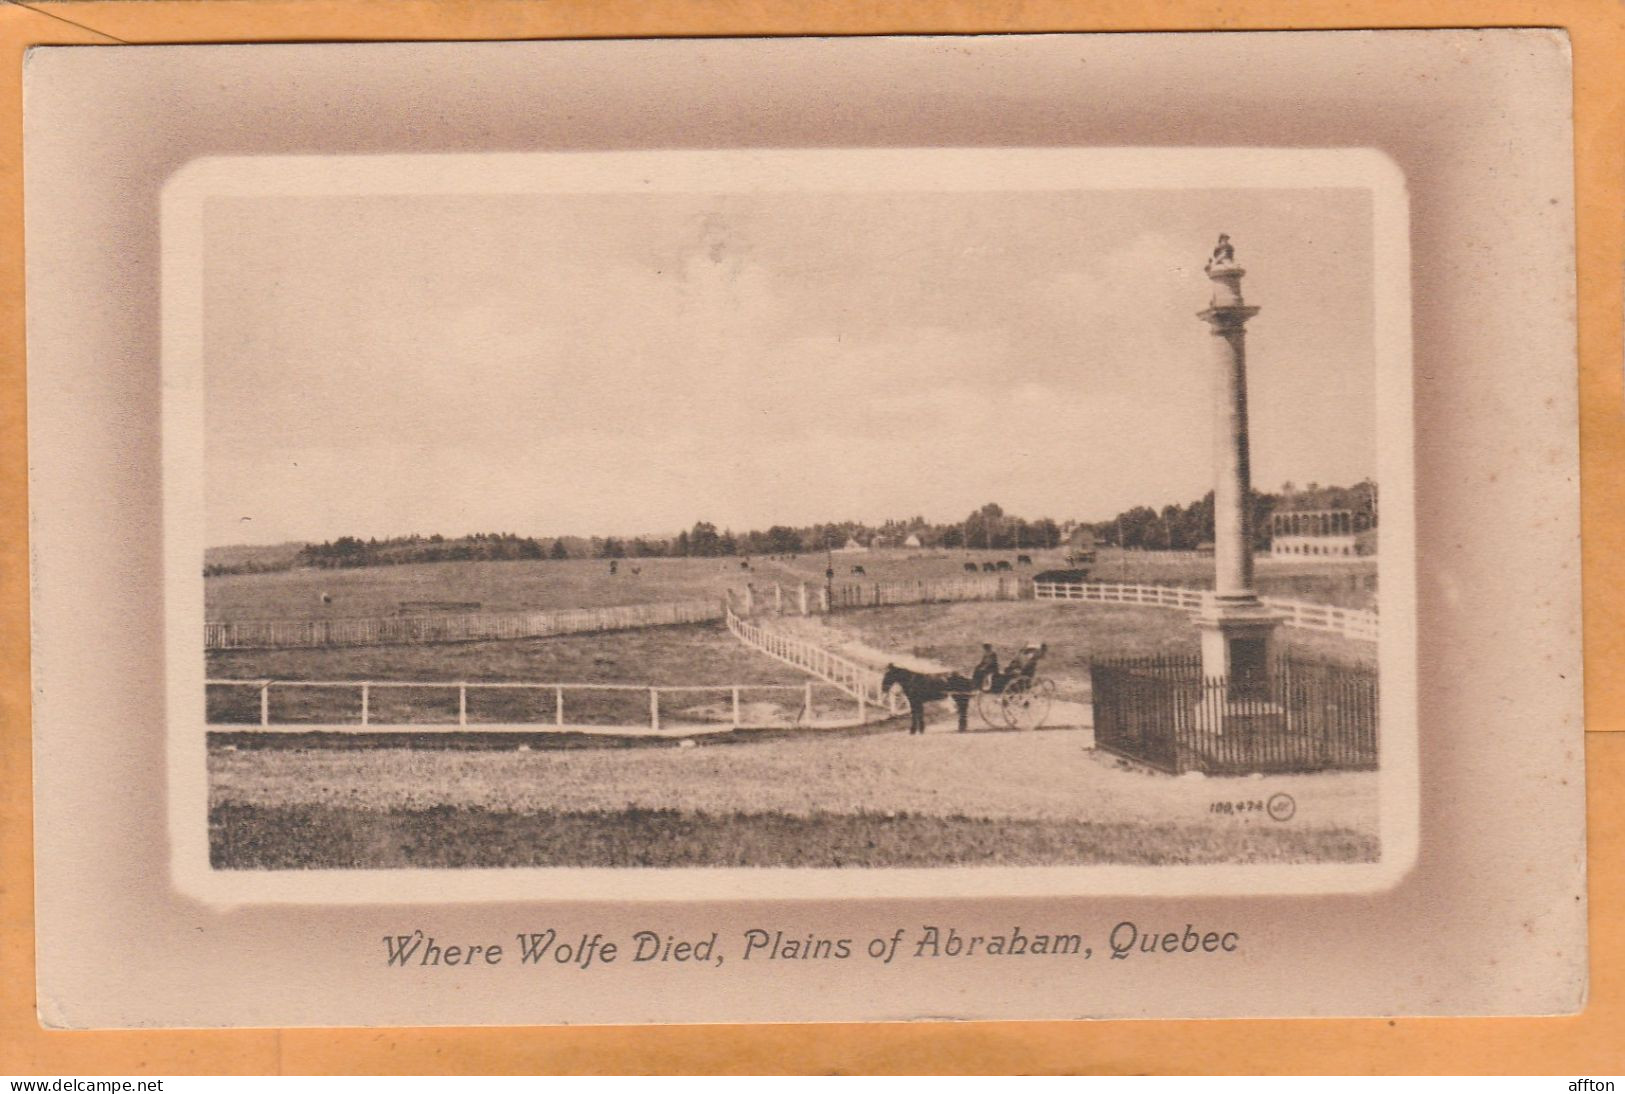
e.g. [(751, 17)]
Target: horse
[(921, 688), (860, 570), (970, 567)]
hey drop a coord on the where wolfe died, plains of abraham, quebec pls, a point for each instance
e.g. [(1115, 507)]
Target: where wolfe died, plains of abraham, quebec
[(1018, 520)]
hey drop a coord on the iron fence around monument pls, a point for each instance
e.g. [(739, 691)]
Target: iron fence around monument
[(1303, 716)]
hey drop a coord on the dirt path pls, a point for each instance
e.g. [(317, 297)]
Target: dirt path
[(1043, 774)]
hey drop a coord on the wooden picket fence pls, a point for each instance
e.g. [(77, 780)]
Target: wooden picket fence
[(878, 594), (805, 598), (450, 627)]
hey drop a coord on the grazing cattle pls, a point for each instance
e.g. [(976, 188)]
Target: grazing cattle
[(1004, 564), (970, 567), (327, 598), (1024, 560), (920, 688), (613, 567), (988, 567), (859, 570), (744, 565)]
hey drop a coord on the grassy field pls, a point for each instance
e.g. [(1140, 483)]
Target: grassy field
[(1077, 632), (876, 800), (951, 634), (495, 586), (699, 654), (811, 798), (327, 838), (1346, 584), (519, 586), (900, 565)]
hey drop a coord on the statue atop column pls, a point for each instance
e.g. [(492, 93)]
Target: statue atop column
[(1226, 276)]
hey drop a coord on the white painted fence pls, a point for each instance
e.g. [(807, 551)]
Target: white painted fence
[(736, 715), (1348, 622), (859, 681), (1161, 596)]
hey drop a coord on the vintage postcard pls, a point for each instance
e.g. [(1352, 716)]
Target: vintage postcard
[(736, 563)]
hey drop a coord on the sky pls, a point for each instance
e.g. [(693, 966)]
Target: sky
[(626, 364)]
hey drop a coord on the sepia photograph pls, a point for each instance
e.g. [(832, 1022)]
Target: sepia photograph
[(817, 511)]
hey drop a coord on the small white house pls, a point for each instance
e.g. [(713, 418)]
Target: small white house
[(913, 540), (851, 546)]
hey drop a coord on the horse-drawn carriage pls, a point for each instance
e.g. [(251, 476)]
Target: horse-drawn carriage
[(1020, 700), (1017, 698)]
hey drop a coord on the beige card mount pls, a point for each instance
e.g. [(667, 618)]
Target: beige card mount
[(559, 556)]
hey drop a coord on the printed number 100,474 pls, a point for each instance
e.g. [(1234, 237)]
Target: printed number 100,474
[(1231, 807)]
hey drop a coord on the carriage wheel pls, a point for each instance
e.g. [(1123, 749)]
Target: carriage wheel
[(1046, 692), (989, 708), (1043, 697), (1012, 701), (1027, 702)]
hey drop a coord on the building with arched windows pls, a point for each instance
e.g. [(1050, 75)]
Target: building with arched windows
[(1322, 533), (1325, 522)]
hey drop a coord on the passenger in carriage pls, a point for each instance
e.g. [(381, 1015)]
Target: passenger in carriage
[(1025, 663)]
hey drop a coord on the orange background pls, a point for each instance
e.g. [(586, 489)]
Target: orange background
[(1591, 1043)]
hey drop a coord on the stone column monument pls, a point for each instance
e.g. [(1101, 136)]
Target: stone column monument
[(1237, 630)]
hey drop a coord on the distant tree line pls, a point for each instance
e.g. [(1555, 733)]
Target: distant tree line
[(987, 527), (348, 552), (1187, 527), (1174, 527), (246, 566)]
